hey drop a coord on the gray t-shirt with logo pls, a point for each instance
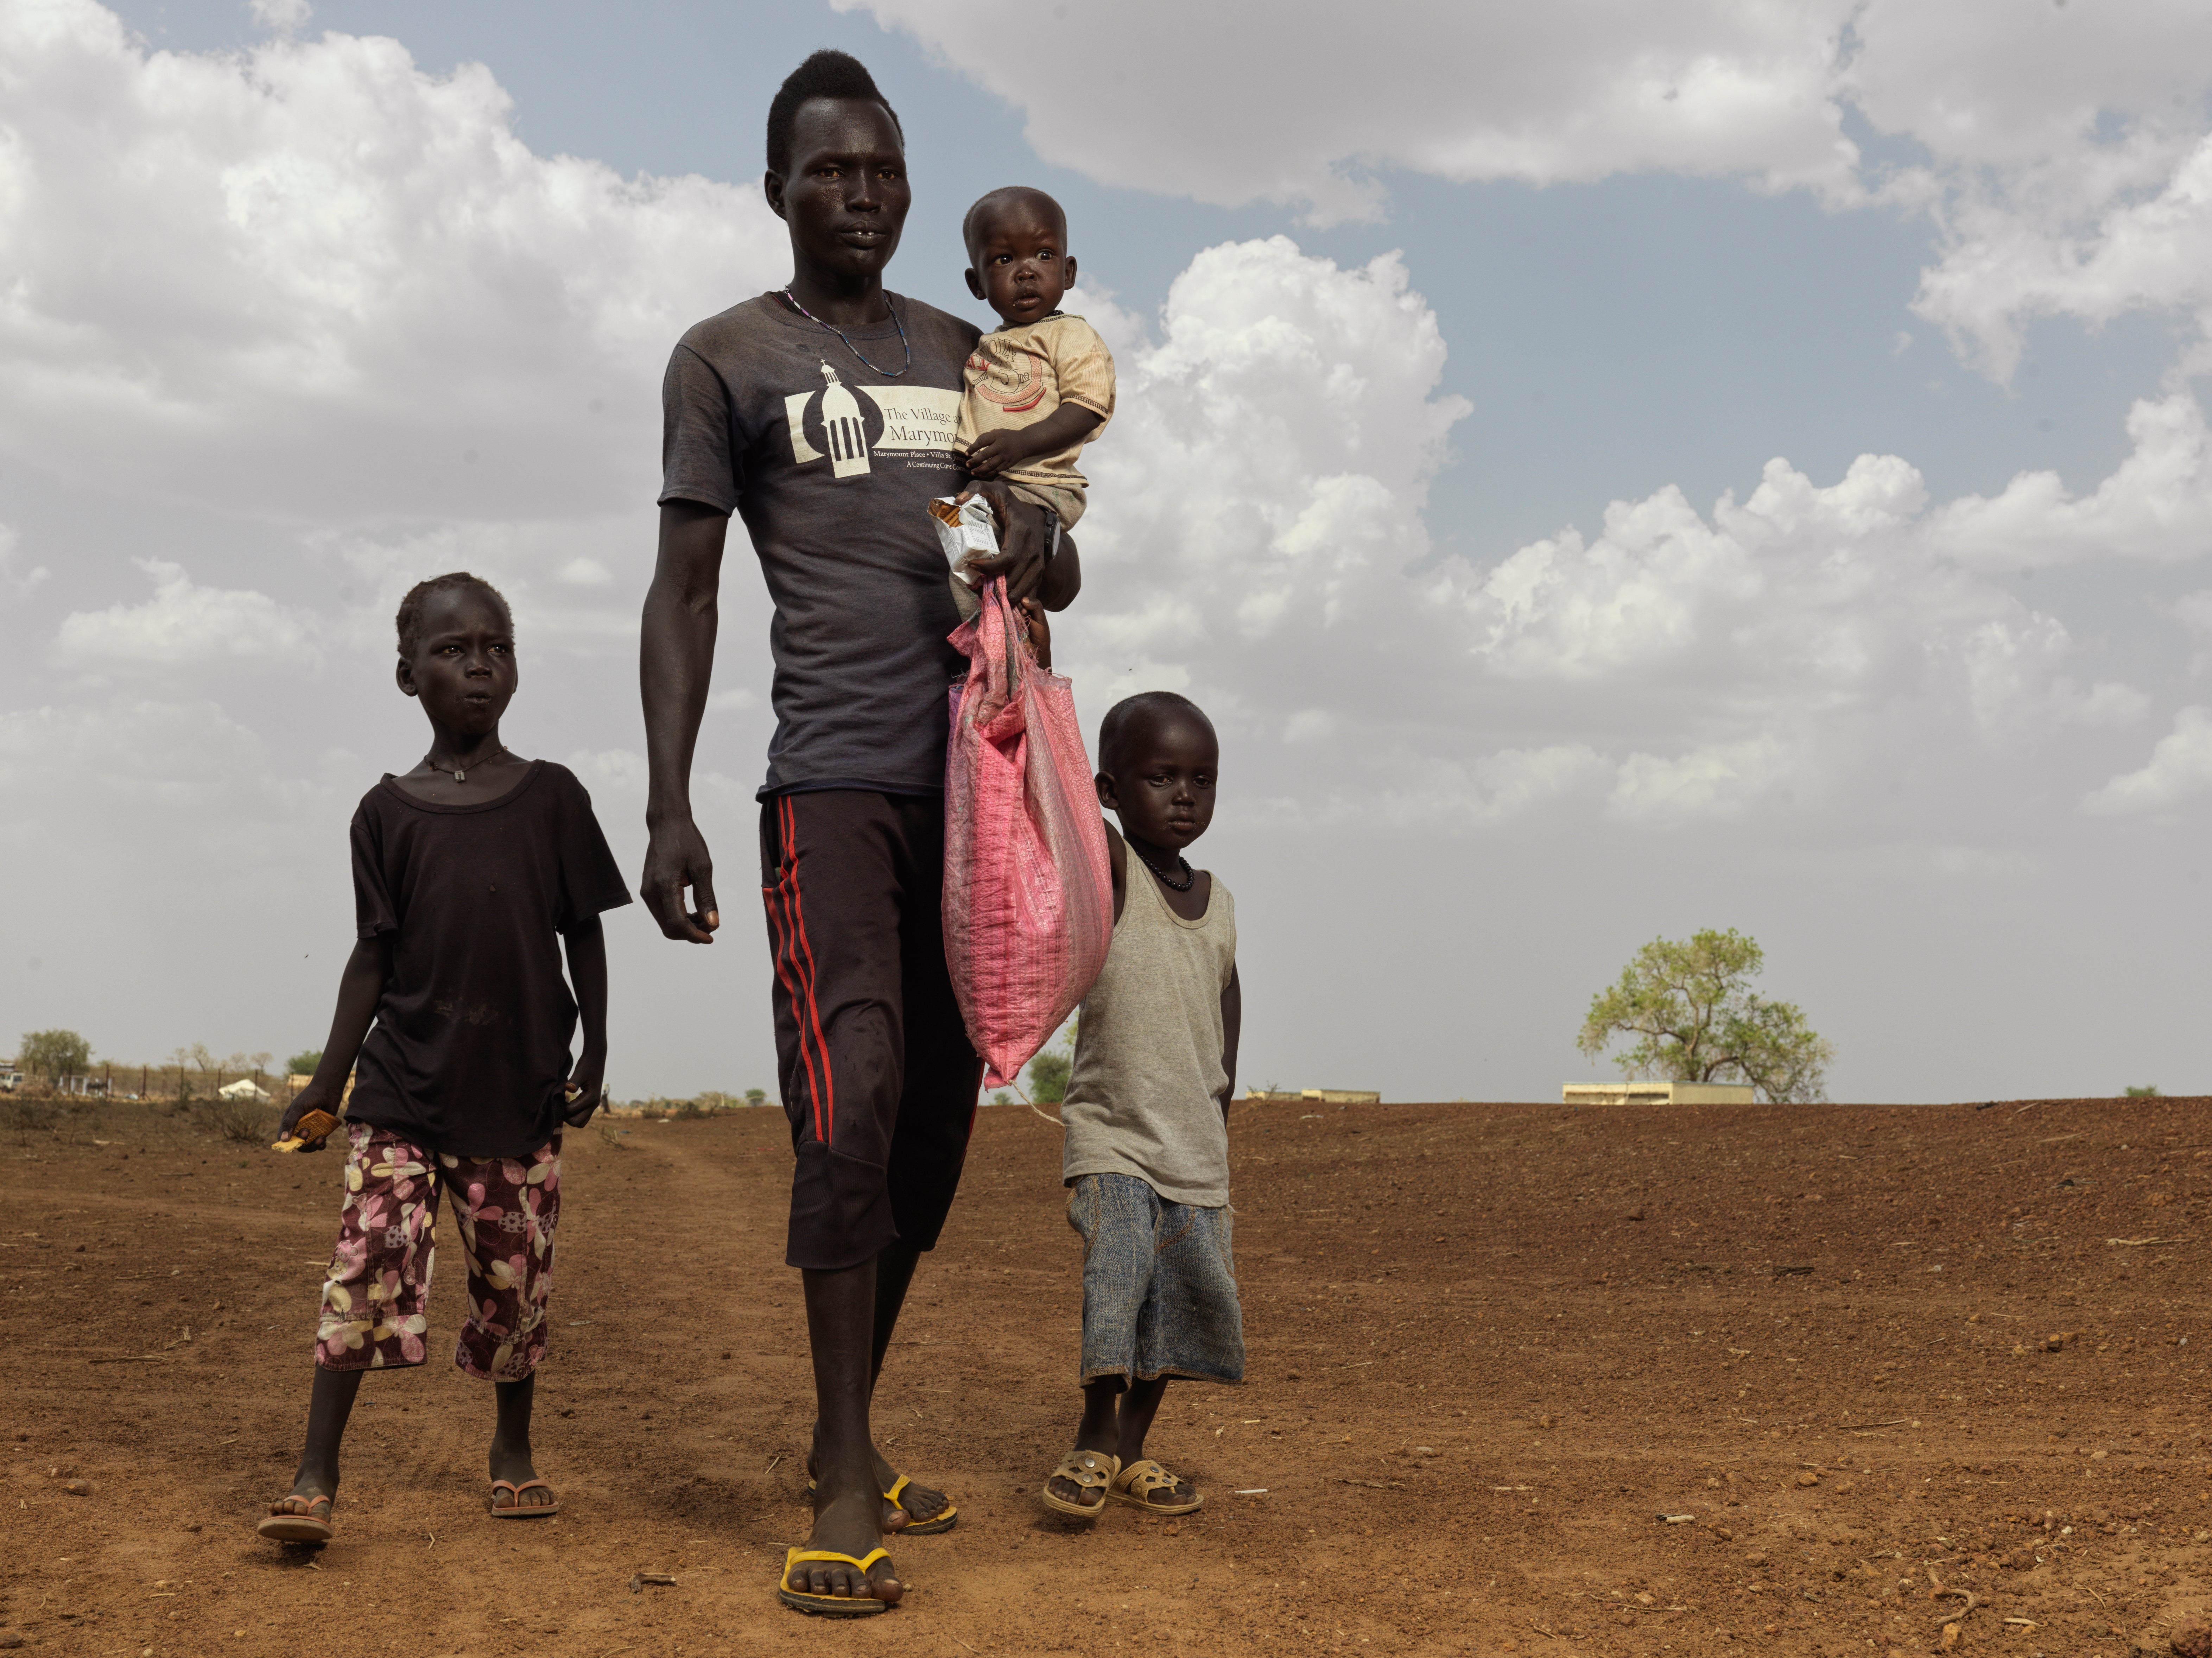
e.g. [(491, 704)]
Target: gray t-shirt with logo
[(831, 463)]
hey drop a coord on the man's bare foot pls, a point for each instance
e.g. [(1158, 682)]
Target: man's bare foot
[(917, 1504), (846, 1526)]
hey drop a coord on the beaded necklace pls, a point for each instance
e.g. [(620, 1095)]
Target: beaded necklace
[(1167, 881), (888, 374)]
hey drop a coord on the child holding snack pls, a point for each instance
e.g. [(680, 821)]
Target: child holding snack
[(1041, 385), (1146, 1152), (470, 873)]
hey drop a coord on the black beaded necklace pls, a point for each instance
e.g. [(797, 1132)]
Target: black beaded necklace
[(1189, 875), (888, 374)]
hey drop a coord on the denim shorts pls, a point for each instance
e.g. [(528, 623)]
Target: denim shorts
[(1160, 1285)]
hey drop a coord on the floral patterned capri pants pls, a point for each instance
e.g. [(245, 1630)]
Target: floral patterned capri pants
[(379, 1284)]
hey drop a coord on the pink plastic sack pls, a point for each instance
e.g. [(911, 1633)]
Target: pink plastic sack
[(1029, 893)]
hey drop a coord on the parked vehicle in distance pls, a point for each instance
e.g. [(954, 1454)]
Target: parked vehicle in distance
[(10, 1080)]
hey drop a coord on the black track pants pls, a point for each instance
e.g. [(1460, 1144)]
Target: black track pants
[(877, 1074)]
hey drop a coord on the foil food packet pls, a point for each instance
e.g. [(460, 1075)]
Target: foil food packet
[(966, 530)]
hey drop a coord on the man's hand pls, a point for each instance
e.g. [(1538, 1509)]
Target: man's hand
[(1040, 632), (1021, 541), (676, 857), (587, 1087)]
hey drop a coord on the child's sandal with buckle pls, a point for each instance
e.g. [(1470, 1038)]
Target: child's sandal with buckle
[(1089, 1471), (1135, 1483)]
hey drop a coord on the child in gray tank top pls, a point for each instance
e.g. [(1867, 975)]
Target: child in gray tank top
[(1146, 1157)]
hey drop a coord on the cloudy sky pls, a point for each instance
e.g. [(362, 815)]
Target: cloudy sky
[(1609, 470)]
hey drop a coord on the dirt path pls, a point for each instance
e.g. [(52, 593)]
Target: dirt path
[(1490, 1346)]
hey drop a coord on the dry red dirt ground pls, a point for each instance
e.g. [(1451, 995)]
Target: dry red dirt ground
[(1525, 1379)]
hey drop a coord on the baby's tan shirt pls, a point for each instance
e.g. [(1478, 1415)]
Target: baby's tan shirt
[(1018, 376)]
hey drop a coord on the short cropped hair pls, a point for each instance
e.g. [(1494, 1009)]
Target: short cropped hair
[(1127, 719), (827, 74), (971, 224), (410, 619)]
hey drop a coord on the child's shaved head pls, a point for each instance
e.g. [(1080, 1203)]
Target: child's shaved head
[(1134, 718), (410, 619), (1012, 198)]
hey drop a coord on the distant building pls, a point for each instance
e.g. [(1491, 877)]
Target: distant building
[(1658, 1093), (245, 1088), (1321, 1096)]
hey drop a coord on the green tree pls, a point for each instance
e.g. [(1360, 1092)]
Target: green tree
[(58, 1054), (1048, 1075), (1695, 1018), (303, 1063), (1050, 1071)]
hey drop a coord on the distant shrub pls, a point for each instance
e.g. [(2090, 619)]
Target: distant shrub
[(2148, 1091), (303, 1064), (19, 1113), (756, 1096), (241, 1121)]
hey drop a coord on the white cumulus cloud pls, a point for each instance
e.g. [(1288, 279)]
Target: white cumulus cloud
[(184, 625), (285, 16), (313, 277), (2061, 150), (1256, 540), (21, 585), (1241, 102), (2156, 506), (1262, 487), (2180, 768)]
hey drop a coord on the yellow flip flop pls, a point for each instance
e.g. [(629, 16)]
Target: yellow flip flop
[(943, 1521), (831, 1605)]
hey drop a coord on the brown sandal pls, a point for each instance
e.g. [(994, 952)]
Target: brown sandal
[(284, 1525), (1089, 1471), (519, 1509), (1135, 1483)]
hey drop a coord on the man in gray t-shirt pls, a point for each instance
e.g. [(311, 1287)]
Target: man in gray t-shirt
[(822, 415), (829, 445)]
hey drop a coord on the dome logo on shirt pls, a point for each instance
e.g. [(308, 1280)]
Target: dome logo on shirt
[(847, 425)]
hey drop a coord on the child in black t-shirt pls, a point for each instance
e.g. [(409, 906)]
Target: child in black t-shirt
[(468, 872)]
